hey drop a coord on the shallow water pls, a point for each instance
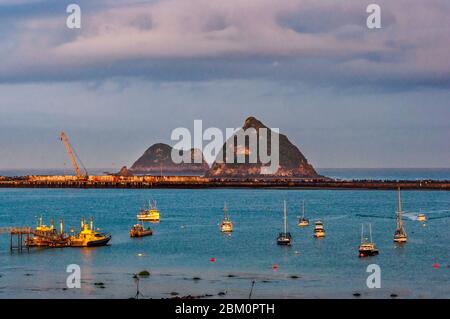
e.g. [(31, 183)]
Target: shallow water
[(188, 237)]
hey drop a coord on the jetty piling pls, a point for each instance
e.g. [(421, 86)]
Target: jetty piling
[(16, 238)]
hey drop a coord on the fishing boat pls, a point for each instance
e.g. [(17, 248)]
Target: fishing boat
[(284, 238), (400, 235), (138, 230), (40, 227), (150, 215), (47, 236), (367, 248), (303, 222), (88, 237), (319, 230), (226, 226)]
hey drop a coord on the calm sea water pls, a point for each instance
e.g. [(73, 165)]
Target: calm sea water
[(387, 173), (188, 237)]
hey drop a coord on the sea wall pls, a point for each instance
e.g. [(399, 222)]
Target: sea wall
[(110, 181)]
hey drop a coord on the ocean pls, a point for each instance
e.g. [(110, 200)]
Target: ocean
[(387, 173), (188, 255)]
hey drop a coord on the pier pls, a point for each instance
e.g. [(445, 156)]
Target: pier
[(21, 238), (17, 236)]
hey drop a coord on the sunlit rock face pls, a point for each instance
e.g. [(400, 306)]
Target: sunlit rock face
[(157, 160), (292, 163)]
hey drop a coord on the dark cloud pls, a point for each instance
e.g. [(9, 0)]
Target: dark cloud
[(324, 43)]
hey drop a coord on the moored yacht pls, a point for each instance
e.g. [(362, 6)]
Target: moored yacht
[(400, 235), (285, 237), (303, 222), (226, 226), (367, 247), (319, 230)]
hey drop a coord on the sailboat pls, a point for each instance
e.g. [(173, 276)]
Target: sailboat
[(226, 226), (303, 222), (284, 238), (367, 248), (400, 233)]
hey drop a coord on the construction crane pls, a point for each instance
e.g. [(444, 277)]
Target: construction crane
[(73, 156)]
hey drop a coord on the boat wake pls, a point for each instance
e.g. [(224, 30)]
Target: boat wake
[(374, 216), (437, 214)]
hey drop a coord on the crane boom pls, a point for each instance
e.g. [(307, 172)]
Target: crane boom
[(71, 153)]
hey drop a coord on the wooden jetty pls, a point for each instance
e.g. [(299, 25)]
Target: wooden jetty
[(21, 238), (18, 237)]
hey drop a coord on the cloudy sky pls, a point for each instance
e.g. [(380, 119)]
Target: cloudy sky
[(347, 95)]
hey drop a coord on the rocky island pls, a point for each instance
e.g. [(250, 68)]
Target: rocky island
[(157, 160), (292, 163)]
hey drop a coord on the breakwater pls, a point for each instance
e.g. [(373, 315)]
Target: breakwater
[(108, 181)]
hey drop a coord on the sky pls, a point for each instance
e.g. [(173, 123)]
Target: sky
[(346, 95)]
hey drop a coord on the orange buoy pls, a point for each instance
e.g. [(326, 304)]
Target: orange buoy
[(436, 266), (212, 259)]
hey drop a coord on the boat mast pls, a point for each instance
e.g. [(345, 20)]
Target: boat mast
[(225, 211), (399, 211), (284, 218), (370, 232), (362, 233), (303, 208)]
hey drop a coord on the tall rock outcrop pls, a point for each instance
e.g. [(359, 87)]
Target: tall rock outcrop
[(157, 160), (292, 163)]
